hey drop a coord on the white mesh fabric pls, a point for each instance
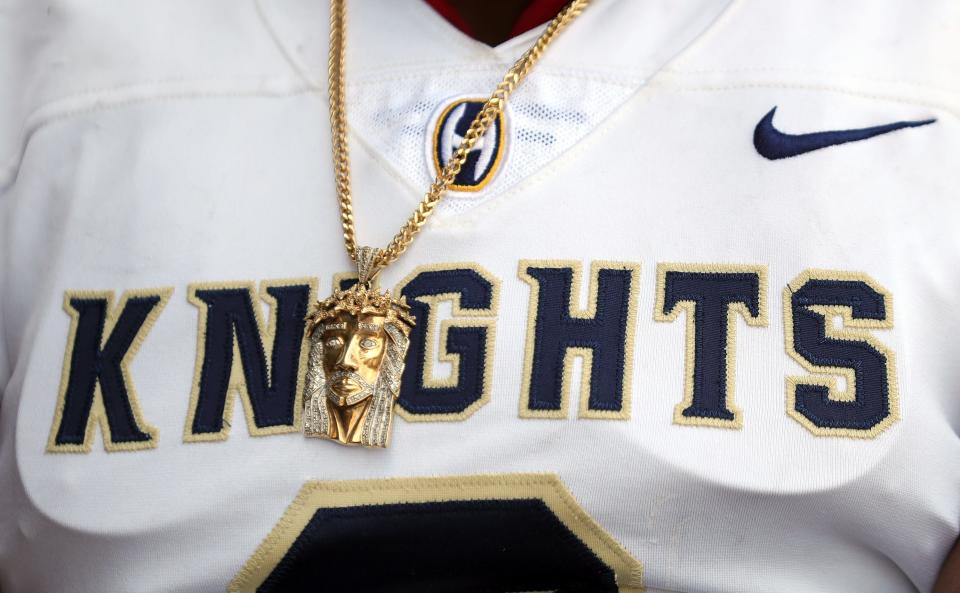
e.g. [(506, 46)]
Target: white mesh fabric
[(549, 113)]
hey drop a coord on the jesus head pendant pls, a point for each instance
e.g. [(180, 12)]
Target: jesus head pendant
[(358, 345)]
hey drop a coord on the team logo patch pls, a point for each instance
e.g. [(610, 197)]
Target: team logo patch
[(449, 127)]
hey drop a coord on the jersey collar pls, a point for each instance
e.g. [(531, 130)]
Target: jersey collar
[(628, 39), (405, 63)]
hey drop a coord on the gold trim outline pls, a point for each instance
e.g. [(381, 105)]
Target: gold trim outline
[(689, 310), (853, 330), (437, 332), (98, 414), (549, 488), (501, 138), (586, 354), (237, 382)]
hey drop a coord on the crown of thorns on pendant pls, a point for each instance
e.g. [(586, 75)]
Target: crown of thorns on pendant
[(360, 300)]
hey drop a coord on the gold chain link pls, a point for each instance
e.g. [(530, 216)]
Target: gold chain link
[(488, 113)]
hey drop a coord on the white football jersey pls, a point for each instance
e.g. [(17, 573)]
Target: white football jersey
[(688, 321)]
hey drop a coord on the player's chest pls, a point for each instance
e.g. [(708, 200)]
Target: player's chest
[(685, 283)]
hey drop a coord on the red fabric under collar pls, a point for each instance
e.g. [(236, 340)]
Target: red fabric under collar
[(535, 14)]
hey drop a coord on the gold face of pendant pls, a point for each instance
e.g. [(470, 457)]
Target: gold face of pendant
[(353, 348), (358, 345)]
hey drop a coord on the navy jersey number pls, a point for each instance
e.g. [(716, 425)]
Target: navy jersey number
[(521, 532)]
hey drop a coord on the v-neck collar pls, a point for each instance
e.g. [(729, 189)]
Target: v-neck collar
[(628, 38), (405, 62)]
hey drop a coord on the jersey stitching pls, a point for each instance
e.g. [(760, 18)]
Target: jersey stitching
[(920, 84), (719, 23), (100, 100), (625, 81), (946, 106), (294, 64)]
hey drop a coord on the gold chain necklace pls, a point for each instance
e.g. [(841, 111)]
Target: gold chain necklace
[(359, 337)]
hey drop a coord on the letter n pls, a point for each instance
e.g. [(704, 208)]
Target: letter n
[(559, 331), (232, 347), (96, 386)]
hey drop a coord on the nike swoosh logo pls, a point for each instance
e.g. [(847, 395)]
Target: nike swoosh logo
[(773, 144)]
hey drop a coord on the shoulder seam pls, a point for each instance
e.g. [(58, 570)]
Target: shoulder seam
[(107, 98), (870, 88), (918, 84)]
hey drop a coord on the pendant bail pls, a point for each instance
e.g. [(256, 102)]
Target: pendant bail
[(368, 265)]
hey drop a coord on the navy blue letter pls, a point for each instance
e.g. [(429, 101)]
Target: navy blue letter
[(603, 335), (271, 390), (474, 292), (870, 404), (93, 363), (710, 295)]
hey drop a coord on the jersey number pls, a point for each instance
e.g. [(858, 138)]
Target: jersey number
[(521, 532)]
